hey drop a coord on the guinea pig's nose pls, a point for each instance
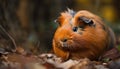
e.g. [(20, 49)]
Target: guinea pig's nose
[(64, 39)]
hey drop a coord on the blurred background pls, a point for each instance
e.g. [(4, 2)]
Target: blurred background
[(30, 23)]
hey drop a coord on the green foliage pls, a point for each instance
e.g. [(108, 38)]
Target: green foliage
[(118, 47)]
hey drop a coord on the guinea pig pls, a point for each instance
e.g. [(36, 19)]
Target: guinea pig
[(82, 34)]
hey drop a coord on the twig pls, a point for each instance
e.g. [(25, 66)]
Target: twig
[(13, 41)]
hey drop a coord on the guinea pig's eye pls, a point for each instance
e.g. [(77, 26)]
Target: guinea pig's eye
[(75, 29)]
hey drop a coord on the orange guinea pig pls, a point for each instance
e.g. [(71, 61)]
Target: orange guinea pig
[(82, 35)]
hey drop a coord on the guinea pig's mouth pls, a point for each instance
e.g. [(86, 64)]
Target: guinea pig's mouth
[(64, 44), (70, 46)]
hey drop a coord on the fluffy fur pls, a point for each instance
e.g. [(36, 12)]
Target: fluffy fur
[(81, 35)]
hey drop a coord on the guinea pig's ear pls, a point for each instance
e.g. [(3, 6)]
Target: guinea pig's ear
[(86, 20), (59, 20)]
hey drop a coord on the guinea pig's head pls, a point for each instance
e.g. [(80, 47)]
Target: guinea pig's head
[(80, 34)]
